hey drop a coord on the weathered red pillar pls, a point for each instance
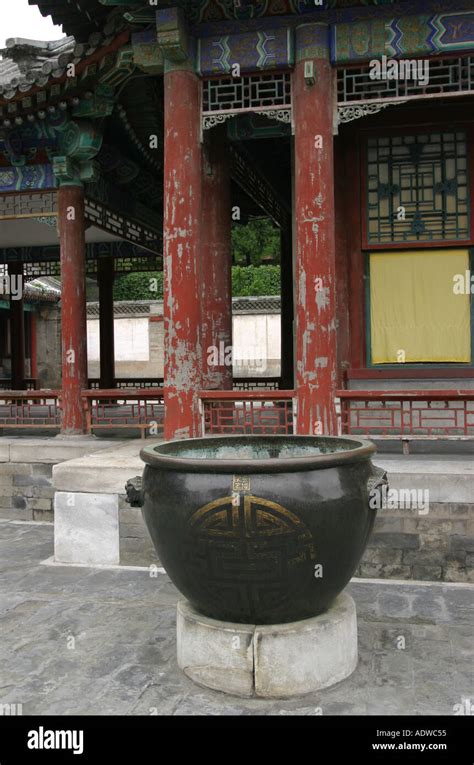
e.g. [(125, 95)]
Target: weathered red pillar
[(73, 307), (316, 354), (182, 221), (216, 263), (17, 324), (287, 305), (105, 278)]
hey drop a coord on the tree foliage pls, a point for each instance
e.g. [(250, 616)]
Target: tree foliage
[(139, 286), (256, 242), (246, 281), (250, 280)]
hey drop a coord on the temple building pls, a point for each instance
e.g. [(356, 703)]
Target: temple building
[(136, 142)]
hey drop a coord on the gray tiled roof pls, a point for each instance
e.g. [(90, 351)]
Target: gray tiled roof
[(26, 63), (43, 290), (38, 292)]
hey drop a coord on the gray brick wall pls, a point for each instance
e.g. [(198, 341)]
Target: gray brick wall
[(438, 546), (26, 491)]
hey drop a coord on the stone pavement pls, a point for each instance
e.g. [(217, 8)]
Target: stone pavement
[(102, 642)]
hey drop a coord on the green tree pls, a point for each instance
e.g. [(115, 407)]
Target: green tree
[(246, 281), (139, 286), (255, 281), (255, 242)]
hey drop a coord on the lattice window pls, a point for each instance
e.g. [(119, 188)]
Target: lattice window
[(446, 76), (44, 268), (417, 188), (134, 264), (267, 94)]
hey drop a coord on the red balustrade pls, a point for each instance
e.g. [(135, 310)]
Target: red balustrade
[(408, 414), (130, 409), (143, 383), (247, 412), (32, 410)]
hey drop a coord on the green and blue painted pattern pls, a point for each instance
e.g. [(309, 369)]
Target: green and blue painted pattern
[(28, 178), (253, 51), (404, 36), (349, 42)]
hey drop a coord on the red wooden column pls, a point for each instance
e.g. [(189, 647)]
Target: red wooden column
[(73, 307), (105, 278), (17, 325), (182, 222), (316, 354), (216, 263), (287, 305)]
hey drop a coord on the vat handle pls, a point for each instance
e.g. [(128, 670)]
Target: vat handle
[(133, 489), (377, 480)]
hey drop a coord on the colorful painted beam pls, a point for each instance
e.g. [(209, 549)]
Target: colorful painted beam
[(351, 42), (28, 178), (252, 51), (421, 35)]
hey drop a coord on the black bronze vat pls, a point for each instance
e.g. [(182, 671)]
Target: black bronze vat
[(259, 529)]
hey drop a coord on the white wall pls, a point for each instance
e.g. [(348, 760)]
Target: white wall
[(131, 339), (256, 343)]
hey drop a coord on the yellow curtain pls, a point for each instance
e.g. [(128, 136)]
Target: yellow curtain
[(415, 314)]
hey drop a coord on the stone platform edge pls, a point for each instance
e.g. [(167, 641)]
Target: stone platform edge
[(56, 449)]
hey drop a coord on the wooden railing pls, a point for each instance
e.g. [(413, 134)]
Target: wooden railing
[(130, 409), (408, 415), (30, 410), (141, 410), (403, 415), (143, 383), (249, 412), (126, 383)]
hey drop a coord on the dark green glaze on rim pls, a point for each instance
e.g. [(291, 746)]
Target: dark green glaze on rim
[(339, 450)]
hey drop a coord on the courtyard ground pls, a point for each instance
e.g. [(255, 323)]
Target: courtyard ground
[(102, 642)]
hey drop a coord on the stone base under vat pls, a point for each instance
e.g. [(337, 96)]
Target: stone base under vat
[(269, 661)]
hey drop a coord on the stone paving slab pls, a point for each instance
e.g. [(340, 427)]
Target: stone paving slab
[(102, 642)]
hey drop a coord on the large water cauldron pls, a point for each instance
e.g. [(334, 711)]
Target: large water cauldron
[(259, 529)]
